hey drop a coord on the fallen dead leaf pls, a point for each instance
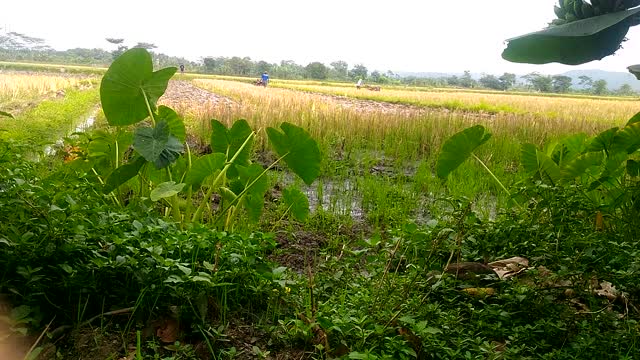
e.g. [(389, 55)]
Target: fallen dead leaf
[(480, 292), (169, 330), (607, 290), (509, 267)]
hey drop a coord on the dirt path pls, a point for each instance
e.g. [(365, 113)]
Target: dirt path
[(180, 92)]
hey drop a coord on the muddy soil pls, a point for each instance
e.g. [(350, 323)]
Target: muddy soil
[(180, 92)]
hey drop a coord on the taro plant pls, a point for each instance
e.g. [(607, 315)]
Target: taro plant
[(606, 167), (460, 147), (155, 161)]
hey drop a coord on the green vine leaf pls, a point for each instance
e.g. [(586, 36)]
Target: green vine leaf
[(125, 84)]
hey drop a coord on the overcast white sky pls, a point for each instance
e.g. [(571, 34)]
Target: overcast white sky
[(399, 35)]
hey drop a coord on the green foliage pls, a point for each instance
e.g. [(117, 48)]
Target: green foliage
[(203, 167), (539, 165), (296, 202), (157, 145), (298, 150), (573, 43), (51, 120), (123, 174), (459, 147), (130, 88), (174, 122), (165, 190)]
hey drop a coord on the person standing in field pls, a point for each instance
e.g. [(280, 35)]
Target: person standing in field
[(359, 84), (182, 68), (265, 79)]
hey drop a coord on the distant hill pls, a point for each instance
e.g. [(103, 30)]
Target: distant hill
[(614, 79)]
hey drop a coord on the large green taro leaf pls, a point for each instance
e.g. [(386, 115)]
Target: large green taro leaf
[(165, 190), (539, 165), (157, 145), (123, 174), (255, 185), (174, 121), (126, 83), (458, 148), (300, 151), (229, 141), (203, 167), (574, 43), (297, 202)]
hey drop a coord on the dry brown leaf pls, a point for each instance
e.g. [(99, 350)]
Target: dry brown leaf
[(599, 221), (169, 330), (480, 292), (607, 290), (509, 267)]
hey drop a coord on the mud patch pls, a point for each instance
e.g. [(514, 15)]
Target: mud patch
[(182, 93), (298, 250)]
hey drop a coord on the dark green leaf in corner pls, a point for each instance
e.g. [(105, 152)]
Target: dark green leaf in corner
[(458, 148), (574, 43), (300, 151), (125, 84), (297, 203), (635, 70), (5, 114)]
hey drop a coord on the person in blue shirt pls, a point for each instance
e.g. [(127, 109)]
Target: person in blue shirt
[(265, 79)]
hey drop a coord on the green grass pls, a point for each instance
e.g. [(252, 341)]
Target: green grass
[(50, 120)]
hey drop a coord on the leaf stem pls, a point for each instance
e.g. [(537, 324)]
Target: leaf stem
[(146, 101), (244, 191), (200, 210), (495, 178)]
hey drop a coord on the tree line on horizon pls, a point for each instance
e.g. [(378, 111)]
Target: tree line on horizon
[(20, 47)]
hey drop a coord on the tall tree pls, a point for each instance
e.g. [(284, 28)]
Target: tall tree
[(316, 70), (120, 47), (467, 81), (358, 72), (508, 80), (491, 82), (145, 45), (538, 82), (625, 90), (561, 83), (599, 87), (339, 69), (585, 81)]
